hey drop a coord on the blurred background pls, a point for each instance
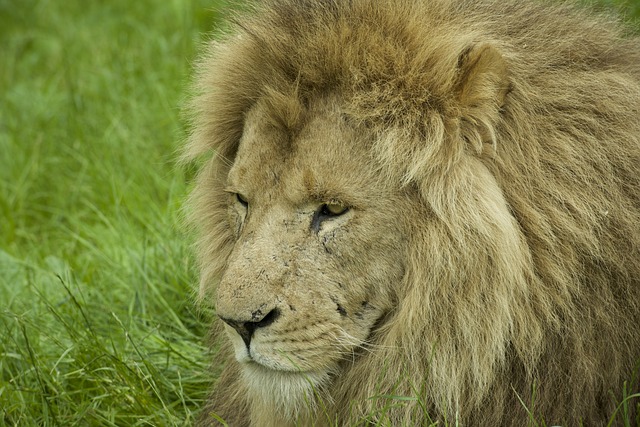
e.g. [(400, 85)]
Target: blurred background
[(98, 324), (97, 320)]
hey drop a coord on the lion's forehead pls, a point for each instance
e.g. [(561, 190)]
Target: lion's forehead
[(323, 159)]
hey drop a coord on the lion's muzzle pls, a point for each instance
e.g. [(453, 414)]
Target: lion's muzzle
[(258, 320)]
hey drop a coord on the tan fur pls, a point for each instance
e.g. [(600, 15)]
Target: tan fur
[(488, 153)]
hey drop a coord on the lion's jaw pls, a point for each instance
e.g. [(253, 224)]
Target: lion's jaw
[(284, 396), (321, 280)]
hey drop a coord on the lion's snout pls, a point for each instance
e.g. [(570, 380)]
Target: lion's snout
[(259, 319)]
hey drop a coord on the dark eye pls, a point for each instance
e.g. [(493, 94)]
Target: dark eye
[(333, 209), (327, 212), (242, 200)]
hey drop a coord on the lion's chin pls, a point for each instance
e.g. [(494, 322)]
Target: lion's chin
[(288, 393)]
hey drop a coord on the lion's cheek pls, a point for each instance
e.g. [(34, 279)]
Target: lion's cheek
[(290, 353)]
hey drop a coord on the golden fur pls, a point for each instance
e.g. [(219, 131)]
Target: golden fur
[(436, 199)]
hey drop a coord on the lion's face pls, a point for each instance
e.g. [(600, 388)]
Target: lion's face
[(318, 244)]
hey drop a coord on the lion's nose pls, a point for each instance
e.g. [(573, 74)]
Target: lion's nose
[(258, 320)]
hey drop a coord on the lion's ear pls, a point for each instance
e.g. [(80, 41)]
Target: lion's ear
[(483, 84)]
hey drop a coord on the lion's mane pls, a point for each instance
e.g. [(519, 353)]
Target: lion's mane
[(523, 290)]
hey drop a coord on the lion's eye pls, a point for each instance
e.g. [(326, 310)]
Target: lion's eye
[(333, 209), (326, 212), (242, 200)]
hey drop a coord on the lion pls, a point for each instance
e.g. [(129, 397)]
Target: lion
[(419, 211)]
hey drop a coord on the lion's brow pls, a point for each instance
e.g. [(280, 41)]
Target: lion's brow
[(329, 195)]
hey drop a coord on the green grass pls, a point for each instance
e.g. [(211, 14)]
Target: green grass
[(97, 320)]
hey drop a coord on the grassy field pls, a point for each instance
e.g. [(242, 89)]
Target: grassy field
[(97, 320)]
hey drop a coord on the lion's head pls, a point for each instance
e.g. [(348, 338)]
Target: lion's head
[(410, 199)]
